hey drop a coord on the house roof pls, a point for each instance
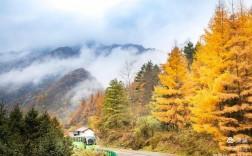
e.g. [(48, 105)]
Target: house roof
[(81, 129), (84, 132)]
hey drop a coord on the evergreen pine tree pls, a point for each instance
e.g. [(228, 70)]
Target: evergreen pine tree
[(3, 129), (115, 106), (45, 124), (145, 81), (15, 131), (189, 51), (52, 142), (3, 121), (31, 135)]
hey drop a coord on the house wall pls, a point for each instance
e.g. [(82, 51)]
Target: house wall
[(88, 132)]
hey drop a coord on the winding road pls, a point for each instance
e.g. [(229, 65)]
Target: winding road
[(125, 152)]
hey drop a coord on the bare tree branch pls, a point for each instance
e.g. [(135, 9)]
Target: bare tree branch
[(127, 73)]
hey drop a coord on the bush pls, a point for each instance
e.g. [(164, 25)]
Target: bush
[(146, 126), (186, 142)]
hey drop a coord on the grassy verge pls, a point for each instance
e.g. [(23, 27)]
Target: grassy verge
[(183, 143), (81, 152)]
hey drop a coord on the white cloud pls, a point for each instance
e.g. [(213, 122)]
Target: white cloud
[(34, 73), (94, 8), (82, 90), (107, 68), (103, 68), (31, 24), (12, 56)]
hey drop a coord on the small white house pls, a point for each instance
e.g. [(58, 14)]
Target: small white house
[(82, 132), (84, 135)]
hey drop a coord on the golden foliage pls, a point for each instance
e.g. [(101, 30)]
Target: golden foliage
[(222, 76), (86, 110), (169, 101)]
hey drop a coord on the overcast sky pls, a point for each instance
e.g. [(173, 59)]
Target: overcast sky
[(27, 24)]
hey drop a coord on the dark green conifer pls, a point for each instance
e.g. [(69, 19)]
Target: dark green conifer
[(115, 111), (145, 80), (189, 51)]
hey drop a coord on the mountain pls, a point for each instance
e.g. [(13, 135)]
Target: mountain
[(56, 97), (19, 60), (18, 96), (56, 79), (62, 53), (22, 59), (108, 49)]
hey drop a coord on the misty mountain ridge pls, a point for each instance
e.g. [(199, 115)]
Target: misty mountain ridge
[(18, 60), (58, 79), (26, 58), (108, 49), (58, 98), (25, 62)]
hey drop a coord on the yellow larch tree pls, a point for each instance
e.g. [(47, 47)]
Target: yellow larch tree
[(209, 73), (169, 104), (221, 79), (96, 120), (236, 112)]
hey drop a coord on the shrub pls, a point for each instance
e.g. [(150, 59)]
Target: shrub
[(146, 126)]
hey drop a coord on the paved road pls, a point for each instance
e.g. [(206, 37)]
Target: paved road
[(124, 152)]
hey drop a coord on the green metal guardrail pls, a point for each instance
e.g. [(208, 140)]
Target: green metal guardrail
[(109, 153)]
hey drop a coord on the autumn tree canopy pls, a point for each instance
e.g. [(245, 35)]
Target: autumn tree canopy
[(169, 101)]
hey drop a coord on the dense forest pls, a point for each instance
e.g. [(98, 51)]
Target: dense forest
[(197, 103), (31, 134)]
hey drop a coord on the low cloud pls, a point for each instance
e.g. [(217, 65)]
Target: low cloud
[(82, 90), (103, 67), (107, 68), (34, 73), (12, 56)]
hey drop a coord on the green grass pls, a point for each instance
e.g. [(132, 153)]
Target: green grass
[(78, 145)]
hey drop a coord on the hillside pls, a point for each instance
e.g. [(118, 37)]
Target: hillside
[(57, 97), (55, 79)]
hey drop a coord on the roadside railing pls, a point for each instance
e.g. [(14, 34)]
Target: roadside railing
[(108, 152)]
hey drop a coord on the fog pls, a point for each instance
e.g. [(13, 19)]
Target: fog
[(103, 67), (83, 90)]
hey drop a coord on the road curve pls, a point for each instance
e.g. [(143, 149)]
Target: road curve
[(125, 152)]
